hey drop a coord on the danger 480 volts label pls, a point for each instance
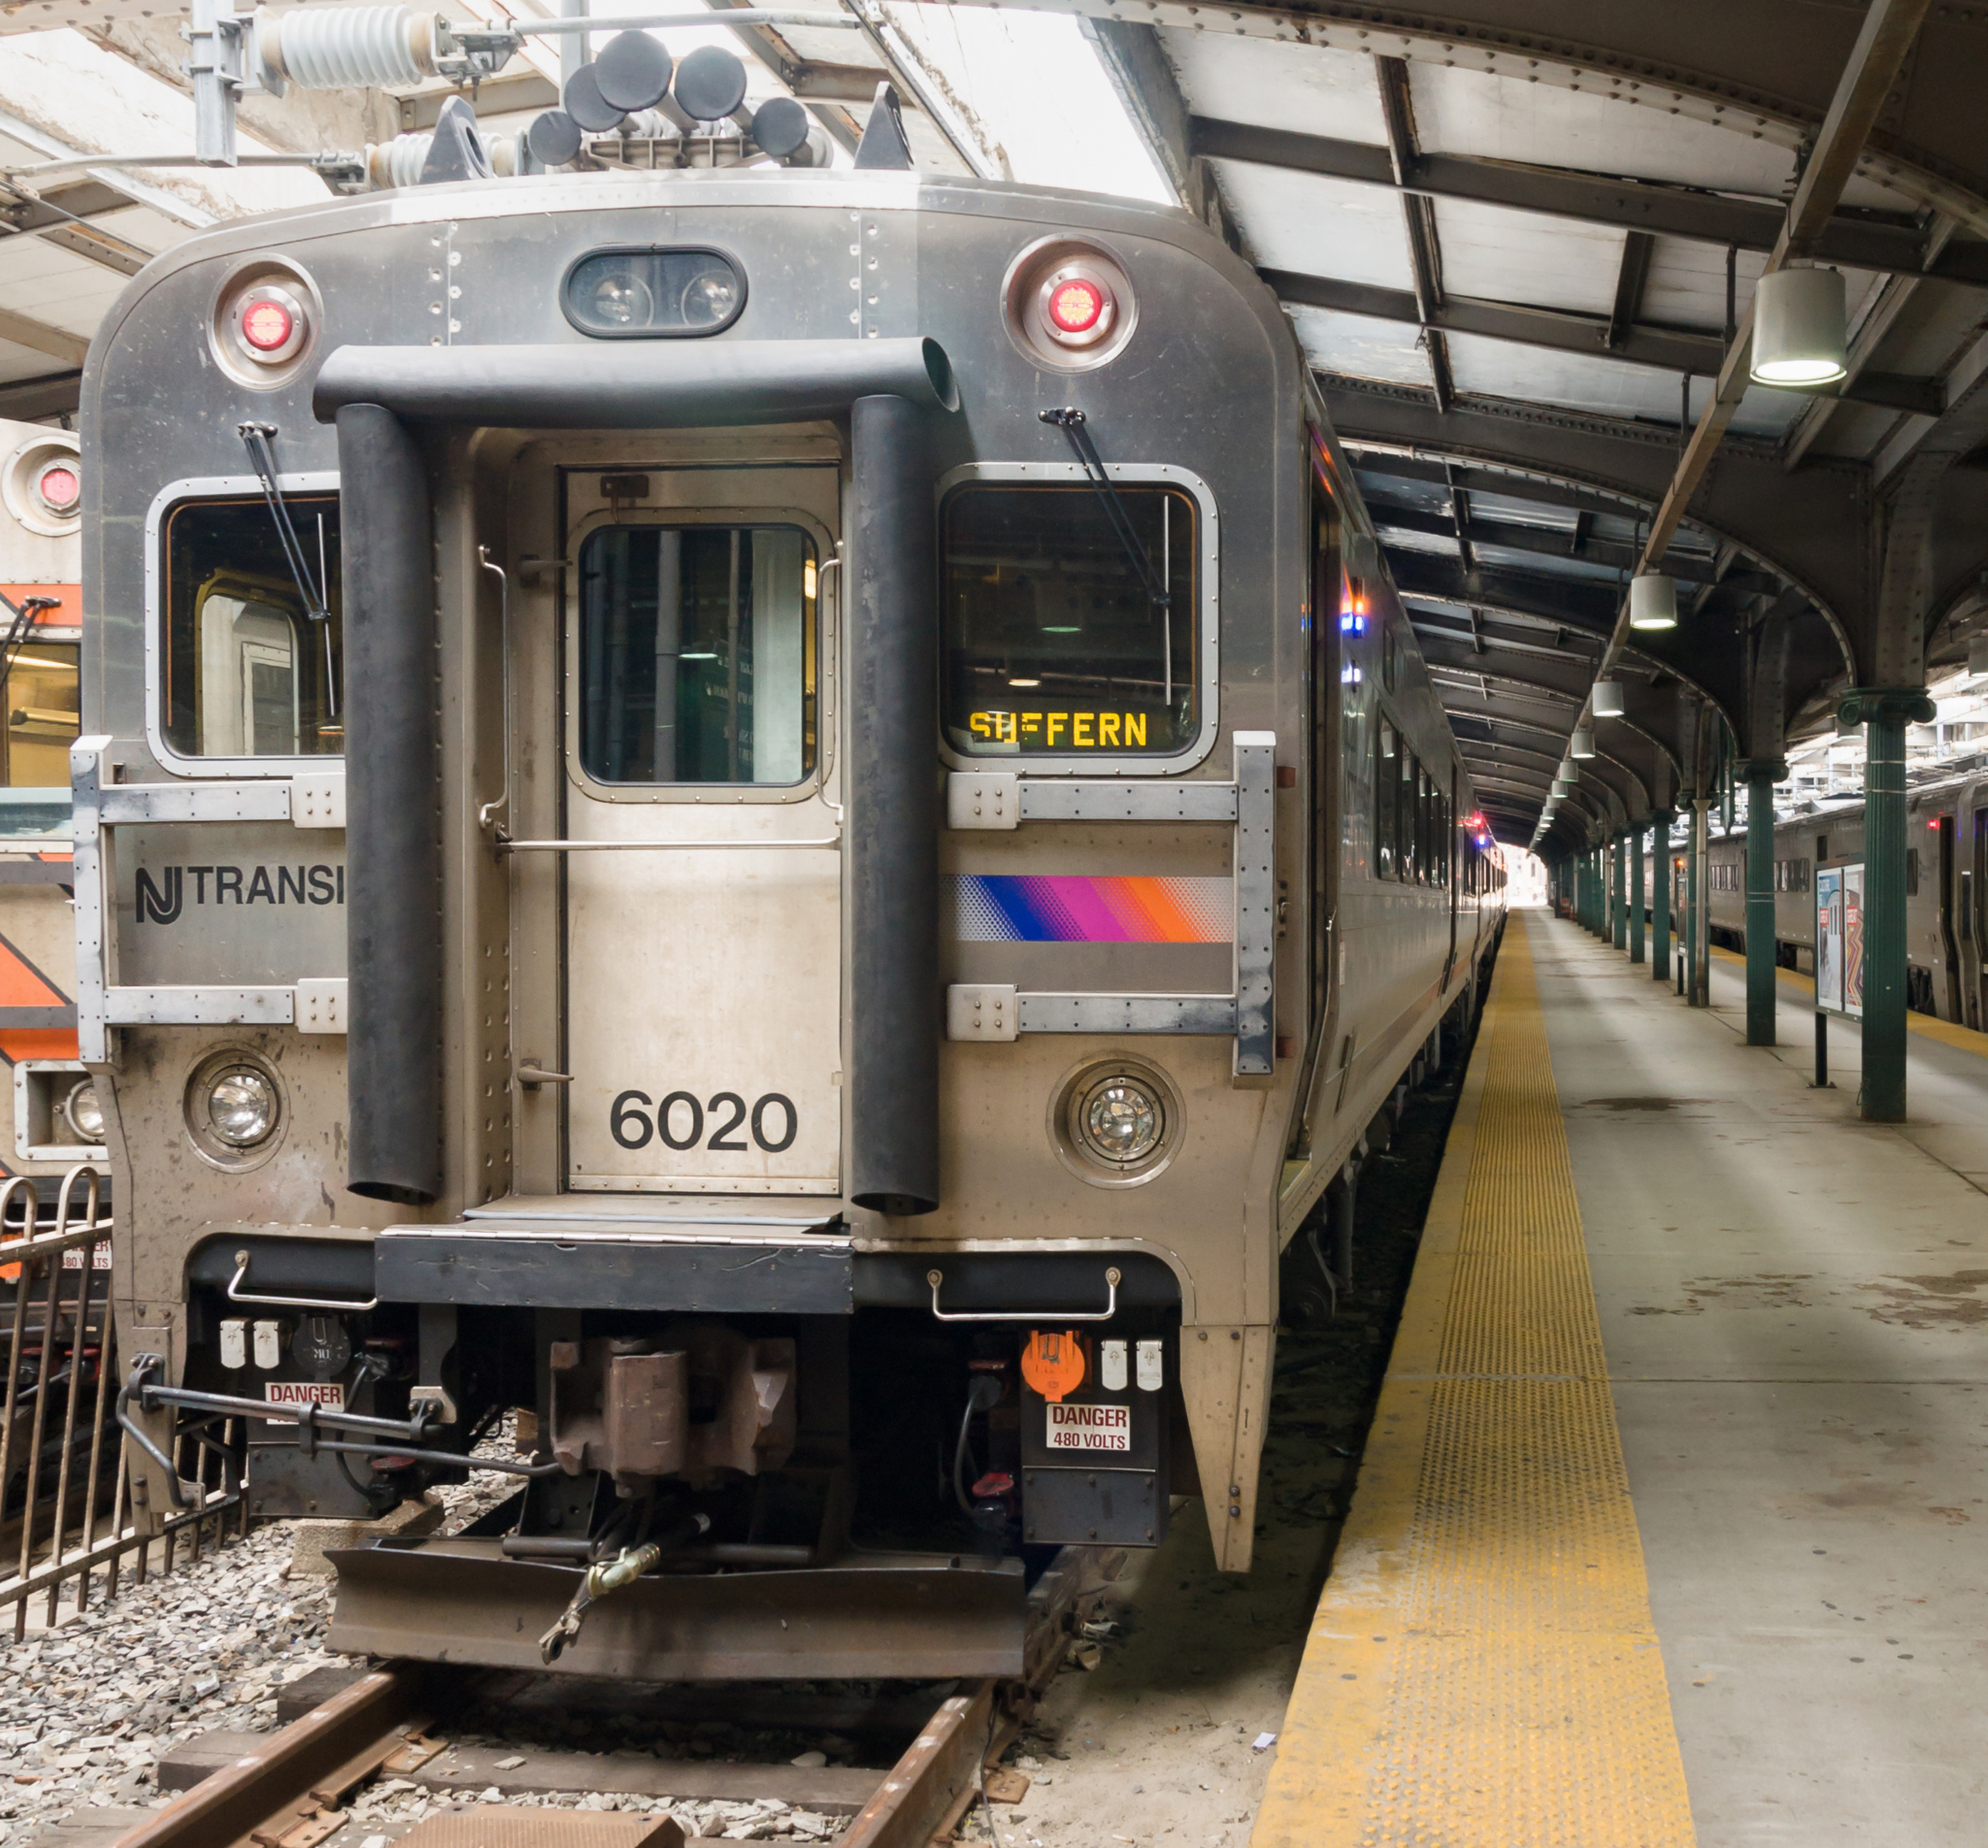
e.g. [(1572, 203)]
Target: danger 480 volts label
[(1089, 1426)]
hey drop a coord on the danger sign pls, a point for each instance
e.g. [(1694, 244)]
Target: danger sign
[(303, 1392), (1089, 1426)]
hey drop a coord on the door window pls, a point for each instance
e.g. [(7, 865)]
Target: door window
[(247, 672), (697, 654)]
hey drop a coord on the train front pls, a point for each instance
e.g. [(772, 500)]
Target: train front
[(680, 898)]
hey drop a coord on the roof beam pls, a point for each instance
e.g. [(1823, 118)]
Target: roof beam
[(1631, 280), (1418, 221), (1564, 331), (1489, 530), (1635, 204), (55, 395)]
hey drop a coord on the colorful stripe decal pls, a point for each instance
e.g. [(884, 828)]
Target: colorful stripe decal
[(1085, 908)]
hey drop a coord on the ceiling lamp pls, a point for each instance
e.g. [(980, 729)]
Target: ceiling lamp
[(1652, 600), (1607, 700), (1978, 654), (1582, 744), (1798, 324), (1566, 772)]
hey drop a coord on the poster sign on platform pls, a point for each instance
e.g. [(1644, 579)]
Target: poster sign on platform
[(1840, 940)]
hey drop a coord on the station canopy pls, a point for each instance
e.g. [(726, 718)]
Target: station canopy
[(1520, 241)]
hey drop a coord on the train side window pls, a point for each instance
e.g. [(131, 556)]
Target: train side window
[(697, 654), (246, 671), (1408, 821), (43, 715), (1386, 782), (1055, 640), (1911, 872)]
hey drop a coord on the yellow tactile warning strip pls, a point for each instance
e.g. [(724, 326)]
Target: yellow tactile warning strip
[(1482, 1671), (1947, 1032)]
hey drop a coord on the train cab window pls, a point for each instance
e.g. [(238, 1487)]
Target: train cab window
[(697, 654), (1055, 639), (1911, 872), (247, 671)]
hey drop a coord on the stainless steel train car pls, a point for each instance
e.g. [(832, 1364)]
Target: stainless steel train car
[(1946, 878), (52, 1114), (755, 844)]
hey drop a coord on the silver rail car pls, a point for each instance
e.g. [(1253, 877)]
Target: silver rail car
[(774, 823), (1946, 889)]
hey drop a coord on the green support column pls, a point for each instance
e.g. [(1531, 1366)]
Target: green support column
[(1883, 713), (1692, 856), (1618, 895), (1761, 773), (1660, 896), (1598, 895), (1636, 904)]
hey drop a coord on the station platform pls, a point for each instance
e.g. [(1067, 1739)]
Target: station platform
[(1662, 1531)]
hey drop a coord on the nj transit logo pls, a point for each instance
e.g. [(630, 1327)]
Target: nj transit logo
[(163, 901)]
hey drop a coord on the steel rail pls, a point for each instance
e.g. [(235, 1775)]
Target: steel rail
[(298, 1778)]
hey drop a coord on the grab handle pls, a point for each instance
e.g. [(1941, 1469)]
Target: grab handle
[(236, 1295), (1112, 1279)]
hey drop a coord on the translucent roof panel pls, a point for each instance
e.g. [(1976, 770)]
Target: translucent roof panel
[(1298, 87), (1358, 347), (1320, 227), (1501, 255)]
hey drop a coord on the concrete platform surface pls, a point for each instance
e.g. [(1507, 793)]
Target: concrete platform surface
[(1793, 1308)]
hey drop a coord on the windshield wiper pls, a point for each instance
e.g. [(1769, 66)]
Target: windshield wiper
[(255, 439), (1071, 422)]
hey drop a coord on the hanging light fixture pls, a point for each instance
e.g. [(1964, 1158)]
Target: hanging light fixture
[(1652, 600), (1582, 744), (1798, 324), (1607, 700), (1978, 654), (1566, 772)]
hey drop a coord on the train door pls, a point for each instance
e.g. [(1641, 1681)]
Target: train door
[(1333, 602), (1954, 1007), (702, 899), (1975, 918)]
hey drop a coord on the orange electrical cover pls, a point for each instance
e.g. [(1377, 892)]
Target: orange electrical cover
[(1054, 1364)]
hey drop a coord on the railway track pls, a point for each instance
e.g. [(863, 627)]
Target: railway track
[(294, 1788)]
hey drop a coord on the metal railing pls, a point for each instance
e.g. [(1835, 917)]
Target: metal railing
[(66, 1497)]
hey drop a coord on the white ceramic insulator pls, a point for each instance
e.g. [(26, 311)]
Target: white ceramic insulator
[(352, 48), (396, 163)]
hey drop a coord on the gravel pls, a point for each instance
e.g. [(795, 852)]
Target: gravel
[(88, 1708)]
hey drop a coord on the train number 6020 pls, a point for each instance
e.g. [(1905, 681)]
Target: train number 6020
[(635, 1128)]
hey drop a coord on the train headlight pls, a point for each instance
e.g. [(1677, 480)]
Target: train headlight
[(1115, 1122), (84, 1111), (1120, 1122), (241, 1106)]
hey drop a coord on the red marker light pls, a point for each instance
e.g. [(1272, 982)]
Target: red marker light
[(1076, 305), (60, 488), (267, 325)]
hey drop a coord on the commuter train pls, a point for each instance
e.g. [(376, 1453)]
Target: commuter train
[(753, 842), (1946, 876)]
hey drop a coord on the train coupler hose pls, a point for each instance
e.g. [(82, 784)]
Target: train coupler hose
[(604, 1576)]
